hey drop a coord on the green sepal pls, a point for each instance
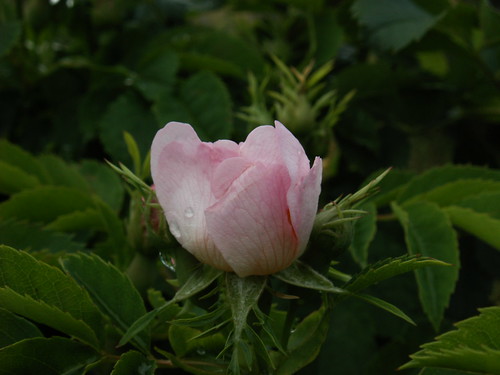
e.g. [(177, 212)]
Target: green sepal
[(198, 281), (242, 295), (302, 275)]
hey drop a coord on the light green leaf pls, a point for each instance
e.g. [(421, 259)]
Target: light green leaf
[(13, 179), (300, 274), (393, 24), (474, 346), (102, 280), (45, 203), (305, 342), (438, 176), (387, 269), (48, 356), (486, 203), (27, 282), (133, 151), (134, 363), (364, 232), (428, 232), (199, 280), (14, 328), (478, 224), (385, 306)]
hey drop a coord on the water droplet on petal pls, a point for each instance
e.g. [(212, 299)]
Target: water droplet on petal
[(188, 212), (174, 229)]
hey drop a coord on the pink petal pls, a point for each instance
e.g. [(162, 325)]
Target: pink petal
[(173, 131), (292, 153), (251, 226), (182, 170), (262, 145), (226, 173), (302, 201)]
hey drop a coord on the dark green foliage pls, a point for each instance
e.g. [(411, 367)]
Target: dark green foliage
[(83, 81)]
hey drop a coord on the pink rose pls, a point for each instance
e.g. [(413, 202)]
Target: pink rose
[(248, 207)]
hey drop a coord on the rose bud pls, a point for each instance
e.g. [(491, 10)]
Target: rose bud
[(248, 207)]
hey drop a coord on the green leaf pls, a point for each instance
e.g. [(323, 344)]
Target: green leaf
[(385, 306), (205, 367), (48, 356), (474, 346), (440, 371), (184, 341), (45, 203), (61, 173), (127, 113), (393, 24), (364, 232), (133, 151), (390, 186), (77, 220), (27, 282), (387, 269), (104, 182), (478, 224), (428, 232), (133, 363), (489, 19), (221, 52), (15, 328), (50, 315), (438, 176), (486, 203), (205, 104), (156, 73), (13, 234), (199, 280), (102, 280), (456, 191), (300, 274), (13, 179), (305, 342), (10, 32), (116, 246), (17, 157)]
